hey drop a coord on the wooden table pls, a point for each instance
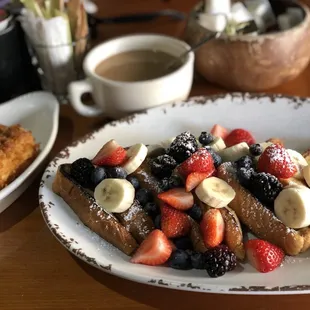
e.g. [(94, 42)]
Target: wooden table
[(36, 272)]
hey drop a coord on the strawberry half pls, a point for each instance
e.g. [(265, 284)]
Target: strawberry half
[(174, 223), (195, 178), (277, 161), (239, 135), (111, 154), (212, 227), (263, 255), (177, 198), (219, 131), (154, 250), (200, 161)]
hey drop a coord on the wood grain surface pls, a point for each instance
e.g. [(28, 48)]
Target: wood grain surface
[(36, 272)]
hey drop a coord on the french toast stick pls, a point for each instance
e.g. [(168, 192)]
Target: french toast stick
[(260, 220), (196, 237), (90, 213)]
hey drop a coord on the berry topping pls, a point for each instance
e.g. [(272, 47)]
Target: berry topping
[(195, 178), (277, 161), (237, 136), (183, 146), (174, 223), (175, 181), (116, 173), (134, 181), (263, 255), (162, 166), (201, 161), (265, 187), (195, 213), (183, 243), (154, 250), (98, 174), (212, 227), (244, 176), (111, 154), (151, 209), (205, 138), (256, 149), (164, 184), (179, 259), (245, 162), (198, 260), (81, 171), (217, 159), (177, 198), (157, 222), (219, 131), (143, 196), (219, 260)]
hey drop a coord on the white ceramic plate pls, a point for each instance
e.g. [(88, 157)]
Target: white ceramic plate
[(266, 117), (37, 112)]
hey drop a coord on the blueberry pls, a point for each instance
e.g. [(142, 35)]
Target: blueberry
[(245, 162), (164, 184), (157, 222), (151, 209), (217, 159), (195, 213), (98, 174), (205, 138), (143, 196), (116, 172), (256, 149), (179, 259), (175, 181), (183, 243), (198, 260), (134, 181)]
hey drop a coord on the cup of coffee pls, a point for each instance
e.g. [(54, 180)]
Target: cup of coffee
[(132, 73)]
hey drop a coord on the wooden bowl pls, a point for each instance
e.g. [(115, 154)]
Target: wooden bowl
[(252, 63)]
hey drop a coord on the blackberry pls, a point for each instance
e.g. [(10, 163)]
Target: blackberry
[(265, 187), (134, 181), (164, 184), (256, 149), (217, 159), (205, 138), (244, 176), (198, 260), (219, 260), (179, 259), (143, 196), (175, 181), (81, 171), (195, 213), (245, 162), (162, 166), (183, 146)]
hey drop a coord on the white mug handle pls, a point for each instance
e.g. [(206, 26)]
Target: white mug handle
[(76, 90)]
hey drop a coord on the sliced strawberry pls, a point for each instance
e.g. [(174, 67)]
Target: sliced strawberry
[(177, 198), (239, 135), (111, 154), (263, 255), (195, 178), (174, 223), (277, 161), (154, 250), (219, 131), (212, 228), (200, 161)]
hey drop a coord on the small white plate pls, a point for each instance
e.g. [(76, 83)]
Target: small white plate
[(37, 112), (265, 116)]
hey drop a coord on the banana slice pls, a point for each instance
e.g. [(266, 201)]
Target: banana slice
[(218, 144), (166, 143), (306, 175), (292, 207), (306, 155), (136, 155), (115, 195), (234, 152), (299, 161), (215, 192)]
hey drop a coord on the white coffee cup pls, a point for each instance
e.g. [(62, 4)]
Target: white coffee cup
[(116, 99)]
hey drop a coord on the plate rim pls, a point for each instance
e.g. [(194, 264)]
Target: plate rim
[(214, 289)]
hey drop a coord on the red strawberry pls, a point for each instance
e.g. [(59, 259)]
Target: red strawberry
[(200, 161), (177, 198), (174, 223), (219, 131), (263, 255), (195, 178), (237, 136), (111, 154), (277, 161), (154, 250), (212, 227)]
